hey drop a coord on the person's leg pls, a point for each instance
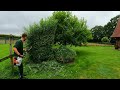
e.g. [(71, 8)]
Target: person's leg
[(21, 70)]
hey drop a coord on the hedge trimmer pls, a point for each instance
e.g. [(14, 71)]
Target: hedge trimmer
[(26, 51)]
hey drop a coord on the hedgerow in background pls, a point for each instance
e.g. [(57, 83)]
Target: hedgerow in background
[(41, 37)]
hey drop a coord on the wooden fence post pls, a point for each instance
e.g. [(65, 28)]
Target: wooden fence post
[(11, 57), (5, 40)]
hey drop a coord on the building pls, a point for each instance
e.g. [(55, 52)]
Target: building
[(116, 35)]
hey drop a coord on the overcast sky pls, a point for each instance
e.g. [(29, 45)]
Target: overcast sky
[(12, 22)]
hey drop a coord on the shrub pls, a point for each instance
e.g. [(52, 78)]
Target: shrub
[(105, 40), (41, 38), (64, 55)]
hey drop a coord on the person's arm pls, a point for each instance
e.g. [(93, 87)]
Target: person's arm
[(16, 51)]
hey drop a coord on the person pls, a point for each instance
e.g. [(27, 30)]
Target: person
[(18, 52)]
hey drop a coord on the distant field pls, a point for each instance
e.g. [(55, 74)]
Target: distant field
[(96, 44)]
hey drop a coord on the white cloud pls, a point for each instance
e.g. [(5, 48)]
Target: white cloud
[(96, 17), (14, 21)]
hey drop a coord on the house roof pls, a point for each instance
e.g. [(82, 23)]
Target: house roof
[(116, 32)]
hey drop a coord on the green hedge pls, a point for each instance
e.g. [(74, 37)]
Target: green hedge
[(64, 55), (41, 38)]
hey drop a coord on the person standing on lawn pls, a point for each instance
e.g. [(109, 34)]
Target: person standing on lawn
[(18, 52)]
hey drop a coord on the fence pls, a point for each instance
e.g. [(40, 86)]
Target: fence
[(8, 40)]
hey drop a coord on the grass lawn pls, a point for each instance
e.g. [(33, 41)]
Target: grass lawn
[(92, 62), (5, 65), (4, 50)]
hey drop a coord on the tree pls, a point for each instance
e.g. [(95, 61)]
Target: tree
[(97, 33), (70, 30), (81, 32), (110, 27)]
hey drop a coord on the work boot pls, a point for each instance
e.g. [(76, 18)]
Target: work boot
[(22, 77)]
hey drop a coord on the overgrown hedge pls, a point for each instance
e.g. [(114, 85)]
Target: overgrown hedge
[(41, 38)]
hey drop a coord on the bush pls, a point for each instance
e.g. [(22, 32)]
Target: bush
[(64, 55), (41, 38), (105, 40), (112, 41)]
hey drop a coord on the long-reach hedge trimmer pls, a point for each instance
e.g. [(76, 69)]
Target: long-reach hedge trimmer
[(26, 51)]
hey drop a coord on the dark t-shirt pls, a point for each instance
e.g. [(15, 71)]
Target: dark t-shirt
[(19, 46)]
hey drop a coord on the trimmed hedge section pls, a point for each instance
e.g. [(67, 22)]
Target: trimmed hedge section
[(64, 55)]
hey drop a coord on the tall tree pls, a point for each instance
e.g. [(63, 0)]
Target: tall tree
[(110, 26), (97, 33), (70, 30)]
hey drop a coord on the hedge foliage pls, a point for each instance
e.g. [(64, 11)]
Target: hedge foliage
[(41, 38), (64, 54)]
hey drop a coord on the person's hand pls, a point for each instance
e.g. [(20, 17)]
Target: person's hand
[(21, 56)]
